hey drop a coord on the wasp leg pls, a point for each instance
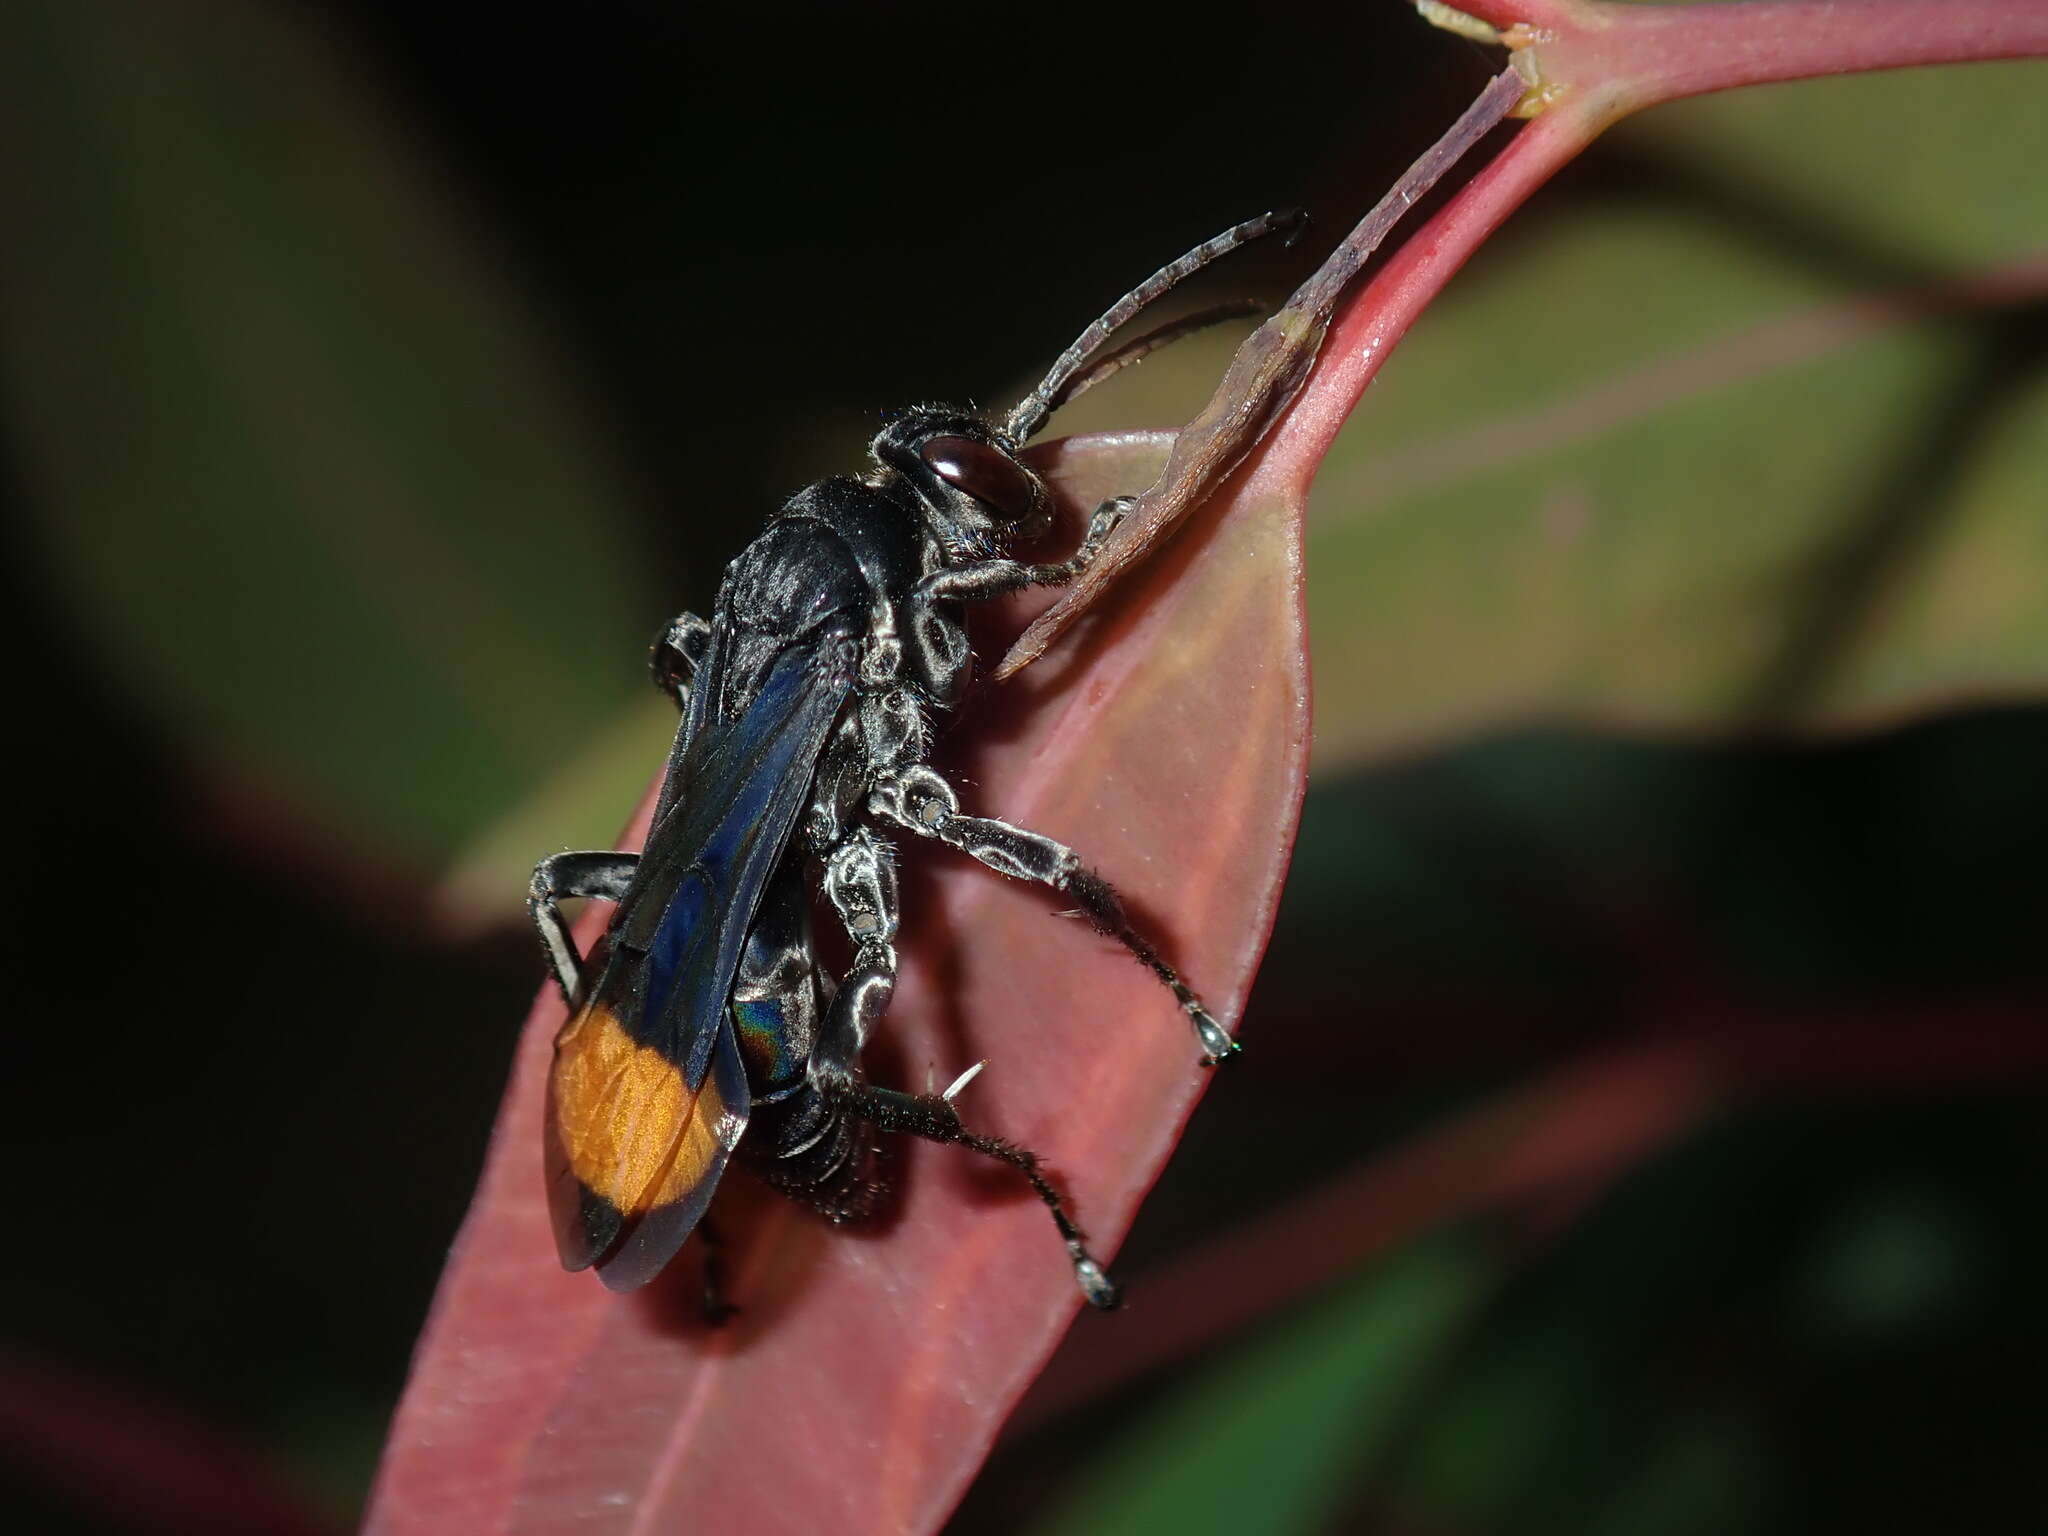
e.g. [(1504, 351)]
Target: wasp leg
[(676, 655), (986, 579), (921, 801), (719, 1308), (1106, 520), (603, 874), (860, 883), (933, 1118)]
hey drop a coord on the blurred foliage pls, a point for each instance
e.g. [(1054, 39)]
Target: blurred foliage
[(1694, 486), (301, 456), (342, 344), (1310, 1406)]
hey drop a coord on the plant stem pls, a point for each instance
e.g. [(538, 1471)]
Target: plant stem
[(1624, 57), (1389, 303), (1592, 62)]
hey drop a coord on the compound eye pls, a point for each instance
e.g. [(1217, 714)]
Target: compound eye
[(984, 472)]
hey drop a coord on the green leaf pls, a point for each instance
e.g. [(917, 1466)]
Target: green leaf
[(1271, 1439), (1649, 464), (270, 391), (1703, 1479)]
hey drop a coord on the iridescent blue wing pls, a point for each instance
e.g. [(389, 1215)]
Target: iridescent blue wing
[(648, 1097)]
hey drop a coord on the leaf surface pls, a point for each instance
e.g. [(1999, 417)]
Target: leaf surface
[(868, 1373), (1749, 442)]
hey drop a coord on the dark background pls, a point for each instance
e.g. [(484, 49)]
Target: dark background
[(252, 1083)]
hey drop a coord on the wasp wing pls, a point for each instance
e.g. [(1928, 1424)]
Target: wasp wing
[(634, 1150), (648, 1097)]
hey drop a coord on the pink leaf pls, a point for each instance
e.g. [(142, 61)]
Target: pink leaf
[(862, 1385)]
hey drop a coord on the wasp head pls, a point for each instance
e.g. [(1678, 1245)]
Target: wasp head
[(977, 496)]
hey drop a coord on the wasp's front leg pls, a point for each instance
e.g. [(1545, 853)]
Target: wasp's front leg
[(986, 579), (1107, 519), (677, 654), (604, 874)]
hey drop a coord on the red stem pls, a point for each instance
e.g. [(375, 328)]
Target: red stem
[(1504, 14), (1623, 57), (1593, 62), (1380, 315)]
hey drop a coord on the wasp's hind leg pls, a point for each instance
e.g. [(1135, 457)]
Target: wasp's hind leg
[(560, 876), (932, 1117), (677, 654), (921, 801), (719, 1307)]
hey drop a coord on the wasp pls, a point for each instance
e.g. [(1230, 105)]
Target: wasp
[(701, 1026)]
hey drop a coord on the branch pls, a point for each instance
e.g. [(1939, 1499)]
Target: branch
[(1379, 317), (1589, 64), (1616, 59)]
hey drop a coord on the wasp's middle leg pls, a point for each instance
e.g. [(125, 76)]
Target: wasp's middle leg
[(860, 883), (919, 800), (603, 874)]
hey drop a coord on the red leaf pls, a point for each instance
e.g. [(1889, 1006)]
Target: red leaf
[(861, 1387)]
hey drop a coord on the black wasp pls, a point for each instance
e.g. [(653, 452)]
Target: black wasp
[(701, 1024)]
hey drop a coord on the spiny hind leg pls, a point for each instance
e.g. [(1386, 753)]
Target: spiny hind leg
[(919, 800), (717, 1303), (932, 1117)]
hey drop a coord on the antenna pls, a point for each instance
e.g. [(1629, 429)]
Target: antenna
[(1142, 347), (1031, 412)]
